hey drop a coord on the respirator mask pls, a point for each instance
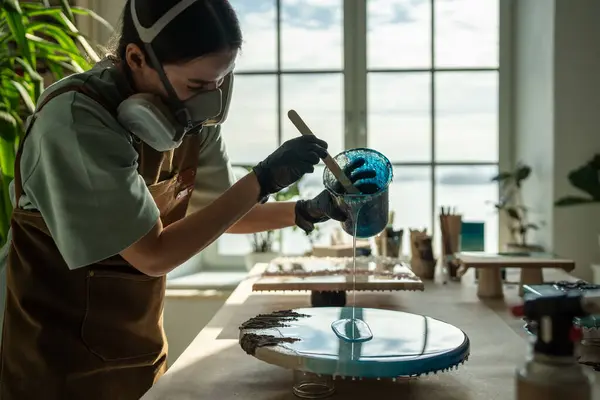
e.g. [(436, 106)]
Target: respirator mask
[(162, 124)]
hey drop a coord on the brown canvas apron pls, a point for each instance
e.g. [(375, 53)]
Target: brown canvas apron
[(94, 332)]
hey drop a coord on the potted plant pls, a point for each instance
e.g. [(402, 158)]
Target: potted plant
[(263, 242), (37, 41), (517, 214)]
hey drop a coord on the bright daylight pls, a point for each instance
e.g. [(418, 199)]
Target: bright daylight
[(299, 199)]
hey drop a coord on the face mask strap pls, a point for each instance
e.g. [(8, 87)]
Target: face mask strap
[(147, 35), (181, 112)]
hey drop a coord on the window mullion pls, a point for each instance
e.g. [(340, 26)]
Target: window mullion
[(505, 120), (433, 123), (355, 85)]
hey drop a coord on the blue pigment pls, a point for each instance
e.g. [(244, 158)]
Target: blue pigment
[(373, 202)]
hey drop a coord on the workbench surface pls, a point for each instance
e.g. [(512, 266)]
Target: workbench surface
[(215, 367)]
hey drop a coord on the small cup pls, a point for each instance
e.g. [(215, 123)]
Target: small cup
[(312, 386), (372, 209)]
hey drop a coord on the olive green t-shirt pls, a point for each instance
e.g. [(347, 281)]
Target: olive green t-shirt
[(79, 170)]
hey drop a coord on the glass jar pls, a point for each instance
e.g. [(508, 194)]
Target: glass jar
[(312, 386)]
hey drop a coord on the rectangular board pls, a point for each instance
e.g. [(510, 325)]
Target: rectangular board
[(336, 274)]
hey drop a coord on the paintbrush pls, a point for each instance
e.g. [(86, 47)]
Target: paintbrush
[(333, 166)]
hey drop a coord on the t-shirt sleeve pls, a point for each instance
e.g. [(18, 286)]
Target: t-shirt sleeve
[(79, 170), (214, 174)]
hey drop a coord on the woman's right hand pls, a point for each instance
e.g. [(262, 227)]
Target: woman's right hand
[(289, 163)]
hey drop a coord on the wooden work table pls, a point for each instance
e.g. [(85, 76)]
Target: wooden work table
[(215, 367)]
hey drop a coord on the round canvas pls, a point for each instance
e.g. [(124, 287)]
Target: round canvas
[(395, 344)]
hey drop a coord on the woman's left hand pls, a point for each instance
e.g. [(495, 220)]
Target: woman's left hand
[(324, 207), (319, 209)]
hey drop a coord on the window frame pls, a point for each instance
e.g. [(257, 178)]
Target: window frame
[(355, 73)]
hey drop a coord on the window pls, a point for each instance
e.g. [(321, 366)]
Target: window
[(417, 80)]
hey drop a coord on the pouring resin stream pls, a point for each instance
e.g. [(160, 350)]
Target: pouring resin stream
[(372, 174)]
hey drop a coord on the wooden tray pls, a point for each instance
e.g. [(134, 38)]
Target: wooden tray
[(332, 274)]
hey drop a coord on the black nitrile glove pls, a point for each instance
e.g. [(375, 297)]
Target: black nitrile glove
[(324, 206), (289, 163)]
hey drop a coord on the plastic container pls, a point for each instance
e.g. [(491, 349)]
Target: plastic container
[(312, 386), (371, 209)]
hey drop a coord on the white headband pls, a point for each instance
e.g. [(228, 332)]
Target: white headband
[(147, 35)]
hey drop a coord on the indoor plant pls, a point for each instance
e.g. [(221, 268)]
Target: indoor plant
[(263, 242), (38, 42), (517, 214)]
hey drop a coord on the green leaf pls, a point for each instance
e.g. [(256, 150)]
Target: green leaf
[(522, 173), (586, 179), (513, 213), (8, 127), (31, 72), (14, 20), (77, 61), (25, 96), (502, 176), (86, 46), (94, 16), (54, 32), (574, 201), (4, 216), (66, 7), (11, 5), (7, 157)]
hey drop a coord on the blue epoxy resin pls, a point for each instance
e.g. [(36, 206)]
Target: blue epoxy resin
[(373, 206), (402, 344), (352, 329)]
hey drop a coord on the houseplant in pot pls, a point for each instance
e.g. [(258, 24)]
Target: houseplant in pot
[(517, 214), (38, 42), (263, 243)]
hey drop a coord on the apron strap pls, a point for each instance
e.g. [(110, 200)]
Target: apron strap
[(69, 88)]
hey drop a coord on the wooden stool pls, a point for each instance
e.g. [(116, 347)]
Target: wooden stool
[(489, 267)]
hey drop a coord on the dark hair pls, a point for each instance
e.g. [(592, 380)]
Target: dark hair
[(205, 27)]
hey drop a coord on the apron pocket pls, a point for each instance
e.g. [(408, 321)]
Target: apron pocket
[(123, 317)]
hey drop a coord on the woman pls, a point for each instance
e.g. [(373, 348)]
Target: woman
[(100, 214)]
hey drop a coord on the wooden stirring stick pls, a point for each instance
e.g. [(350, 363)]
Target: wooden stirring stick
[(333, 166)]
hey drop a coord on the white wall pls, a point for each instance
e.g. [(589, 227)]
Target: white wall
[(556, 98), (533, 105)]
